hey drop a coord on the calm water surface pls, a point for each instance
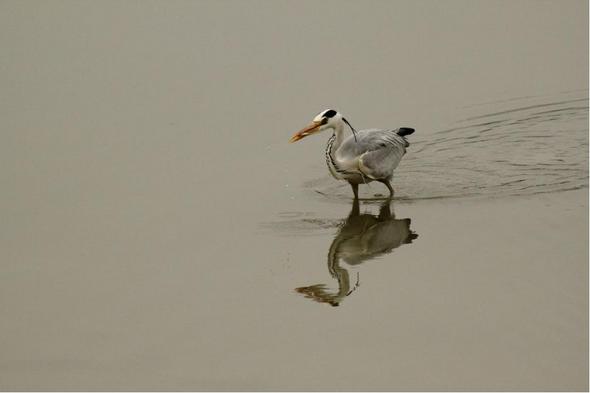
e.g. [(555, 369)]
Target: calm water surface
[(159, 231)]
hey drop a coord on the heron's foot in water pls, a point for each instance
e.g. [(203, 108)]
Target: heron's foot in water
[(376, 198), (389, 187), (383, 197)]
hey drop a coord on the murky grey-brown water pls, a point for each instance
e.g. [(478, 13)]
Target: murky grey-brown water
[(159, 231)]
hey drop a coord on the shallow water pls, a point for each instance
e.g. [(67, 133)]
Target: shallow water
[(159, 231), (526, 146)]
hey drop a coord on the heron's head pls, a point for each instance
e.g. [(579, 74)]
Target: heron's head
[(324, 120)]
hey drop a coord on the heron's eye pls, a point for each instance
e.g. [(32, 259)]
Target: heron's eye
[(324, 120)]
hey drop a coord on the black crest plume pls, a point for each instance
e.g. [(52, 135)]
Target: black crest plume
[(351, 128)]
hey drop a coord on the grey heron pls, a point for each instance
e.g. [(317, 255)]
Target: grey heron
[(365, 156)]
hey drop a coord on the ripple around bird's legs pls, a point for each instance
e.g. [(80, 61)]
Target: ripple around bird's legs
[(520, 150)]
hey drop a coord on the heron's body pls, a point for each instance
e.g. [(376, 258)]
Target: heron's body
[(372, 156), (363, 157)]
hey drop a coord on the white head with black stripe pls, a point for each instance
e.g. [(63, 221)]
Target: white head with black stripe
[(327, 119)]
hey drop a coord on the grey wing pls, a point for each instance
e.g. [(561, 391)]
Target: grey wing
[(378, 151)]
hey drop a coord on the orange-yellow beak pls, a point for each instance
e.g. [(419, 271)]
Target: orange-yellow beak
[(310, 129)]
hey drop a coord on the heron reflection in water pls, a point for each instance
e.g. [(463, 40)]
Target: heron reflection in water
[(361, 237)]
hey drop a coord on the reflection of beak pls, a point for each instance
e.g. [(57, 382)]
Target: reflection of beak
[(310, 129)]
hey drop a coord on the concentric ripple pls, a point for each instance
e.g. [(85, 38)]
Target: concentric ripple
[(534, 145)]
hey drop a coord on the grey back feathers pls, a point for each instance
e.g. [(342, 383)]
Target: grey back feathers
[(378, 151)]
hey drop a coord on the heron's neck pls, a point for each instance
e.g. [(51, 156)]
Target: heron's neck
[(338, 137), (333, 144)]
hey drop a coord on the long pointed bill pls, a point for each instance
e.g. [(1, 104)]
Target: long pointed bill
[(310, 129)]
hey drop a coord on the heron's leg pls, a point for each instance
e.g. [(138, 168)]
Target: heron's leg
[(355, 190), (355, 211), (385, 211), (388, 184)]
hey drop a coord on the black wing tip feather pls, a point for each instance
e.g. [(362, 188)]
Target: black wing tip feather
[(403, 131)]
